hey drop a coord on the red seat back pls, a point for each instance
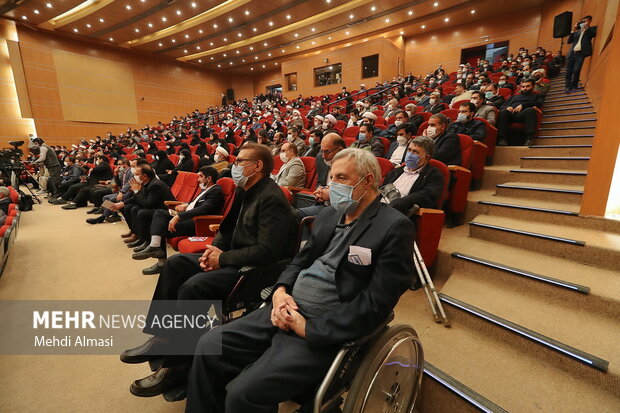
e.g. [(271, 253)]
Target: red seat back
[(228, 190), (467, 148), (451, 113), (386, 166), (505, 92), (456, 104), (174, 158), (288, 194), (195, 159), (185, 186), (385, 142), (311, 175), (349, 141), (277, 164), (351, 132)]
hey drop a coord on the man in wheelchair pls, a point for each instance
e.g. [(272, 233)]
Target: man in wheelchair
[(340, 287)]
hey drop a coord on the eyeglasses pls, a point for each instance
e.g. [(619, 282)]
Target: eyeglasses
[(327, 152), (239, 160)]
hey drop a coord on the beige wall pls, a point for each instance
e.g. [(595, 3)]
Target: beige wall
[(12, 125), (161, 88)]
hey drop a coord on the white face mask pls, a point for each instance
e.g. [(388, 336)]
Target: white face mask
[(398, 122), (431, 131), (325, 125), (432, 101), (402, 140), (137, 178), (66, 163), (216, 157), (133, 171), (283, 157), (203, 186), (290, 137)]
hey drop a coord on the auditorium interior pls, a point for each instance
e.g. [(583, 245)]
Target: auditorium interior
[(519, 309)]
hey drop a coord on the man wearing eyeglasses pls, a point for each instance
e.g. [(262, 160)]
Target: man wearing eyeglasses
[(258, 230), (331, 144)]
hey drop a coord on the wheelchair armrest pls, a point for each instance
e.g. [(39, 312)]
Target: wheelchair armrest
[(366, 338)]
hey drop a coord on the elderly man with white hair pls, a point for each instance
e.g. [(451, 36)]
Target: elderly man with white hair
[(220, 159), (342, 286)]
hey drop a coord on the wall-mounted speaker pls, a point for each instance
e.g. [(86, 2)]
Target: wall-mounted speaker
[(562, 24)]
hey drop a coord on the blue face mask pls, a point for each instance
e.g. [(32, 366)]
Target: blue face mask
[(341, 197), (237, 175), (488, 95), (361, 137), (412, 160), (311, 140)]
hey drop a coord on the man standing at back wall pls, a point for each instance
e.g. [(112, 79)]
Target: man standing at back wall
[(581, 39)]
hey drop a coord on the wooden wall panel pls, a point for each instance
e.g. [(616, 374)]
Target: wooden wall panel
[(423, 53), (266, 78), (549, 11), (162, 88)]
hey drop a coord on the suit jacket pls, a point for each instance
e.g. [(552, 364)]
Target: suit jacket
[(152, 195), (448, 149), (73, 175), (322, 170), (391, 150), (368, 293), (292, 173), (374, 145), (425, 192), (488, 113), (497, 101), (209, 203), (586, 41), (260, 233), (527, 101), (476, 129)]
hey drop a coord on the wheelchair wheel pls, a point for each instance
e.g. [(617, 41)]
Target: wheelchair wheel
[(390, 376)]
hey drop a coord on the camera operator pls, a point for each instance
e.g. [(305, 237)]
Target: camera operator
[(48, 158)]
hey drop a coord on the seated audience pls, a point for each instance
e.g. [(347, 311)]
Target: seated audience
[(100, 173), (294, 138), (434, 103), (311, 314), (520, 108), (447, 145), (5, 200), (492, 96), (314, 144), (264, 236), (398, 149), (366, 140), (466, 124), (486, 112)]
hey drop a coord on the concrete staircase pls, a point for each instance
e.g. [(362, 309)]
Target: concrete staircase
[(531, 288)]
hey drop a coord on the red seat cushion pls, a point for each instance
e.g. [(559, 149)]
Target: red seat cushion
[(192, 247)]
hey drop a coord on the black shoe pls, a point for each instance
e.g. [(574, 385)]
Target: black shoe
[(141, 247), (97, 220), (57, 201), (99, 210), (152, 349), (135, 243), (149, 252), (153, 269), (69, 206), (113, 218), (92, 211), (164, 379)]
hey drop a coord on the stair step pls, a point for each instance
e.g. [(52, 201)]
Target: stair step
[(569, 131), (523, 273), (569, 115), (564, 140), (480, 402), (591, 122), (555, 162), (575, 243), (560, 150), (574, 353), (545, 192), (559, 105), (570, 109), (544, 176), (530, 208), (565, 99), (555, 91)]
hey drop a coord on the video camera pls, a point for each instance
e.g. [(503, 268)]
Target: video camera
[(10, 158)]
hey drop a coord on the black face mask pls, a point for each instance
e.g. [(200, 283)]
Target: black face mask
[(526, 92)]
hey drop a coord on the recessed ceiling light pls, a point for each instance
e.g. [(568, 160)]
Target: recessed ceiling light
[(230, 20), (351, 16), (239, 34), (150, 24), (424, 26), (269, 54), (436, 4), (174, 41), (297, 46), (473, 12), (194, 4), (265, 44), (160, 44), (447, 19), (36, 11), (88, 25), (237, 52), (178, 12), (347, 33), (211, 58), (276, 63), (247, 12), (49, 5), (296, 35), (263, 66), (328, 1), (75, 29), (111, 39), (210, 43), (387, 20), (255, 57), (199, 60), (143, 1), (313, 42), (219, 65), (373, 8), (313, 29), (128, 7), (224, 55), (251, 48), (200, 31), (251, 68), (197, 47), (164, 19), (214, 25), (230, 63), (185, 51), (402, 32), (101, 20), (254, 29), (410, 12), (225, 39), (187, 36), (329, 38), (136, 30), (288, 16), (243, 60), (271, 23), (283, 50)]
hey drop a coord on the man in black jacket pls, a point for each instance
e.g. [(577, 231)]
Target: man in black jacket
[(208, 202), (418, 183), (447, 145), (70, 175), (259, 229), (581, 40), (466, 124), (149, 194), (520, 108), (340, 287)]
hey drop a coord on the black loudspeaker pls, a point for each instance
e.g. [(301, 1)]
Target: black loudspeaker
[(230, 94), (562, 24)]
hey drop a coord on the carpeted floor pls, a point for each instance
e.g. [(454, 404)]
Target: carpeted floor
[(58, 256)]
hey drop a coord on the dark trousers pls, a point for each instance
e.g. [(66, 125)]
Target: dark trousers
[(141, 222), (183, 279), (96, 195), (111, 198), (63, 187), (83, 195), (574, 63), (260, 366), (527, 116), (159, 225), (55, 180), (73, 190)]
